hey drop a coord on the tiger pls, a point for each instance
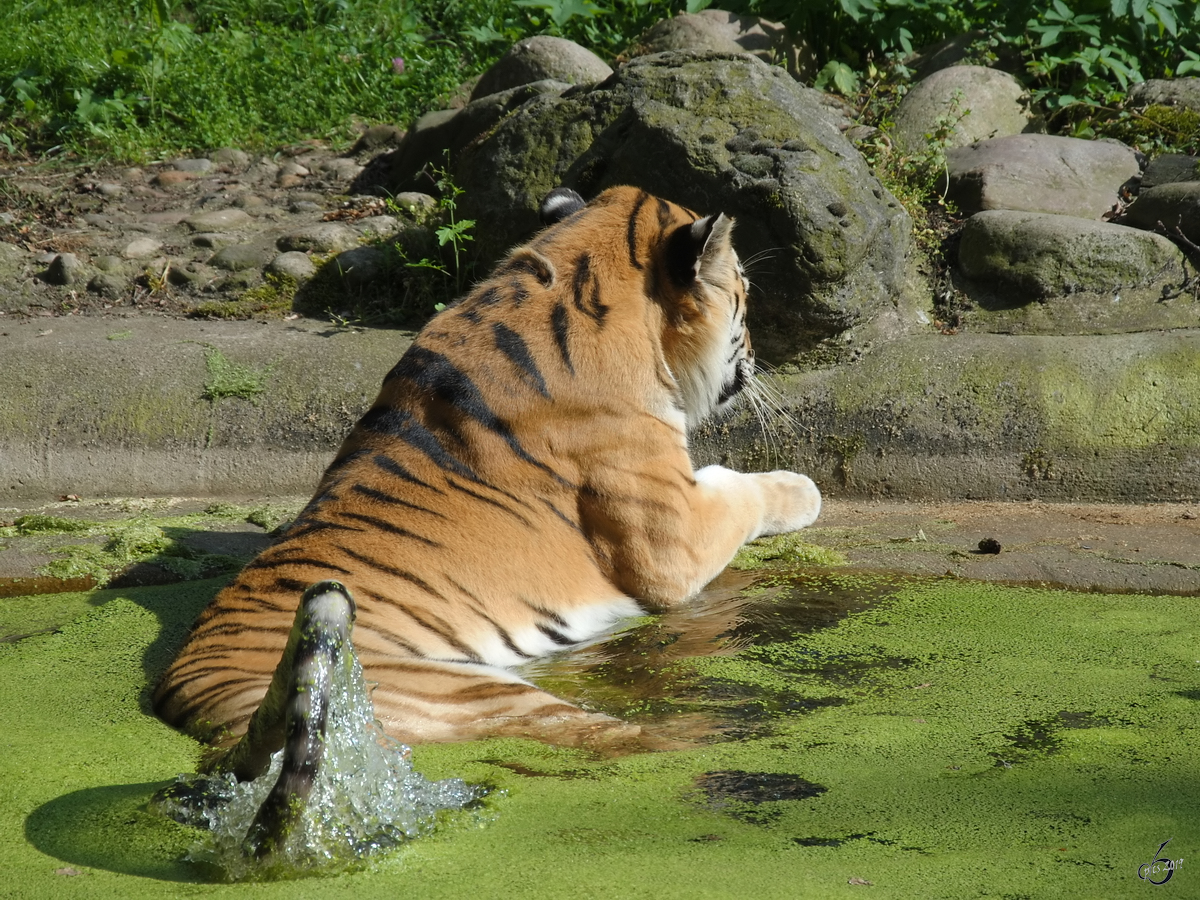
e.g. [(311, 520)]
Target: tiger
[(521, 484)]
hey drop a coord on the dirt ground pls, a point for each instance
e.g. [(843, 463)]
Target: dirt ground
[(1107, 547)]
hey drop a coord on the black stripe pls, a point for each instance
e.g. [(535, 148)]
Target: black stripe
[(557, 636), (496, 503), (664, 214), (303, 529), (261, 563), (514, 347), (389, 570), (471, 314), (291, 584), (542, 611), (631, 232), (339, 463), (490, 296), (562, 515), (442, 628), (389, 527), (519, 294), (592, 306), (383, 497), (528, 263), (392, 467), (558, 321), (436, 374), (401, 425)]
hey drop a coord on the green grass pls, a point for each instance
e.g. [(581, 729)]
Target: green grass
[(133, 79)]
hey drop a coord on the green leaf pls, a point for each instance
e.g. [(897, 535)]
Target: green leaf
[(1063, 10), (1166, 17), (1139, 9), (694, 6), (1050, 35), (1119, 8)]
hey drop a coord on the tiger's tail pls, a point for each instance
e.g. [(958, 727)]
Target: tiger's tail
[(294, 714)]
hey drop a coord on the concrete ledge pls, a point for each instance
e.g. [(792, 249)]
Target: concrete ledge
[(117, 407)]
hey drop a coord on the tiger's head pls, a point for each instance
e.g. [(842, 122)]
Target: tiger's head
[(693, 274)]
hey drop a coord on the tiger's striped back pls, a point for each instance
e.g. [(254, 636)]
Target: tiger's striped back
[(520, 483)]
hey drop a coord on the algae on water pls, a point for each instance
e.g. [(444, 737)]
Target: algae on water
[(785, 548)]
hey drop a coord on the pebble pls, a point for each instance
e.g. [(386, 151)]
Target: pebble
[(107, 285), (65, 268), (108, 263), (142, 248), (198, 166), (110, 190), (361, 266), (170, 217), (239, 257), (217, 219), (300, 206), (293, 264), (230, 159), (414, 201), (172, 178), (327, 237), (378, 226), (213, 240)]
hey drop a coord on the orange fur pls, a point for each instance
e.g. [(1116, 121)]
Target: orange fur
[(521, 482)]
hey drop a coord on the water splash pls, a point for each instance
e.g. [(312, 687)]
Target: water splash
[(366, 797)]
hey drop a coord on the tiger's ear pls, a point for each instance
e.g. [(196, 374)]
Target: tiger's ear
[(691, 246), (558, 204)]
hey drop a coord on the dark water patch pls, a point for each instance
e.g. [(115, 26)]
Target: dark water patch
[(757, 787), (1036, 738), (835, 842), (565, 774), (1188, 695), (806, 603)]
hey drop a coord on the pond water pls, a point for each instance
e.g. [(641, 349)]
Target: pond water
[(806, 731)]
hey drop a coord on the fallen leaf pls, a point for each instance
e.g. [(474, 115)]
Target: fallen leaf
[(67, 870), (860, 881)]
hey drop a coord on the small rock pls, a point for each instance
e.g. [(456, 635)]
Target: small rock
[(110, 190), (65, 269), (414, 202), (97, 220), (173, 178), (378, 226), (217, 220), (542, 58), (187, 275), (133, 175), (142, 248), (301, 206), (340, 169), (378, 136), (169, 217), (213, 240), (108, 285), (989, 545), (196, 166), (289, 181), (249, 201), (327, 237), (361, 266), (230, 160), (716, 30), (108, 263), (293, 168), (293, 264), (238, 257)]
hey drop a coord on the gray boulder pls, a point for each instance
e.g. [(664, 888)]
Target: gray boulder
[(1170, 168), (66, 269), (1045, 274), (541, 58), (1167, 92), (239, 257), (714, 132), (440, 136), (973, 103), (1174, 205), (719, 31), (1040, 173)]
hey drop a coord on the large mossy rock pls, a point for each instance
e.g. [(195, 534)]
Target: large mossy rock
[(714, 132)]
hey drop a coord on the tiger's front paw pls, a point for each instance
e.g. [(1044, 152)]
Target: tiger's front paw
[(792, 501)]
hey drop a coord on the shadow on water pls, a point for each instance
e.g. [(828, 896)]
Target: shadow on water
[(113, 828), (647, 674)]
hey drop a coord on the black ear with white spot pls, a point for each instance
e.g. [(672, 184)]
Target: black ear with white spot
[(689, 245), (560, 203)]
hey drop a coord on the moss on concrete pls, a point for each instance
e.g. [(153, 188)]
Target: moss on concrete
[(785, 548), (986, 741)]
